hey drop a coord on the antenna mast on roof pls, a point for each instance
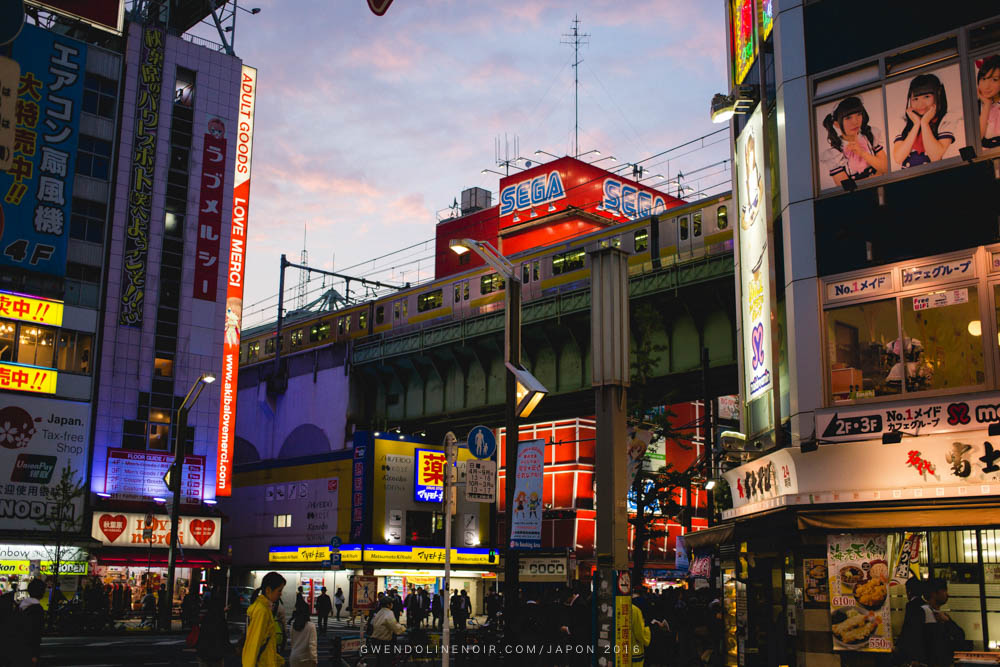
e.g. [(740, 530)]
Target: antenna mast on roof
[(575, 39), (300, 292), (503, 157)]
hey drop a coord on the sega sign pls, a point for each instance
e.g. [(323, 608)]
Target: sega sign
[(428, 475), (626, 199), (542, 189)]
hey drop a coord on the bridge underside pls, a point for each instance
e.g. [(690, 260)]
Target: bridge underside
[(452, 377)]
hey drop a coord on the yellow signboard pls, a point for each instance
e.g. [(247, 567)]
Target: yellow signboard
[(28, 378), (21, 567), (31, 309), (311, 554), (381, 554)]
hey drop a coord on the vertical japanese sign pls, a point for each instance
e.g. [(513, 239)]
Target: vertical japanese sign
[(743, 37), (234, 281), (10, 78), (754, 263), (859, 592), (213, 181), (526, 514), (140, 195), (428, 474), (38, 186), (358, 490)]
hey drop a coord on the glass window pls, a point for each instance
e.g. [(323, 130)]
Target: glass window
[(362, 321), (163, 367), (465, 290), (722, 218), (696, 224), (99, 95), (36, 346), (859, 342), (87, 221), (395, 310), (641, 240), (7, 330), (570, 260), (340, 325), (683, 222), (73, 351), (942, 338), (347, 323), (184, 87), (465, 258), (525, 273), (535, 268), (319, 331), (253, 350), (379, 314), (93, 157), (404, 310), (458, 292), (430, 300), (159, 436), (269, 345), (282, 520), (491, 283), (297, 337)]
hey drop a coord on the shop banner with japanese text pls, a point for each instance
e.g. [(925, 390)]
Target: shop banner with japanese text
[(858, 567), (37, 188), (526, 531), (213, 183)]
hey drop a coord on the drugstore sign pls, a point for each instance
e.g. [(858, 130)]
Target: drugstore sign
[(429, 465)]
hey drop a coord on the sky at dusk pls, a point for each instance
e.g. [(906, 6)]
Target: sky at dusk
[(367, 127)]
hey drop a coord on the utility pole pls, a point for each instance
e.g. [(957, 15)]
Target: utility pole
[(450, 454), (709, 435), (575, 39)]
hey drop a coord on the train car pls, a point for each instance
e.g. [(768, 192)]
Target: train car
[(681, 234)]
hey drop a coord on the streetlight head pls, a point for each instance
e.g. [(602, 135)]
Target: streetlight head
[(529, 392), (709, 485), (485, 171), (458, 246), (613, 158), (723, 107), (208, 378), (538, 152), (255, 10)]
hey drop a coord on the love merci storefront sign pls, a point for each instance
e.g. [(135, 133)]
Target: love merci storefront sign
[(124, 529)]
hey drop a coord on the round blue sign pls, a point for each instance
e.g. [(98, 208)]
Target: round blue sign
[(482, 442), (335, 542)]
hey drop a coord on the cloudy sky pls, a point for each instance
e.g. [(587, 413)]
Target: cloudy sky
[(367, 127)]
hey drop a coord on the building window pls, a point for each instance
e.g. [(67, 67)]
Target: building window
[(36, 346), (379, 314), (159, 436), (722, 218), (858, 340), (93, 157), (945, 343), (282, 520), (464, 258), (430, 300), (570, 260), (163, 367), (99, 95), (184, 88), (87, 221), (73, 352), (641, 239), (491, 283)]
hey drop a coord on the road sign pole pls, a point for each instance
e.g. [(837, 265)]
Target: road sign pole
[(449, 452)]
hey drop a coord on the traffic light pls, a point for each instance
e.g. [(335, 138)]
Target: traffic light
[(493, 556)]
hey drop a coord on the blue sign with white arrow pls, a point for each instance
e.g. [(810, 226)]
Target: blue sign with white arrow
[(482, 442)]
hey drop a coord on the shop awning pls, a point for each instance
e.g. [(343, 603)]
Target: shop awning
[(904, 516), (710, 537)]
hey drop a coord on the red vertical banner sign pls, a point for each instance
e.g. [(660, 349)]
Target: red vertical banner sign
[(234, 282), (213, 182)]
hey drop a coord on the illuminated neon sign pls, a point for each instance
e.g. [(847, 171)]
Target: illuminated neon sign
[(629, 200), (31, 309), (541, 189), (428, 475), (28, 378)]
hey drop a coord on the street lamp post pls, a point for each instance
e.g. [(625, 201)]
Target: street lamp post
[(523, 394), (180, 439)]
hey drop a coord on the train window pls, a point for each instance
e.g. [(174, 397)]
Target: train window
[(683, 222), (395, 310), (696, 224), (465, 290), (526, 273), (347, 324), (404, 309), (641, 239), (722, 218), (491, 283), (269, 345), (362, 321), (340, 325), (241, 353), (319, 332), (379, 314), (458, 292), (568, 261), (535, 267), (616, 242), (430, 300), (297, 337), (253, 351)]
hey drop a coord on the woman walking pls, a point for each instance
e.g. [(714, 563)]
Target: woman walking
[(261, 646)]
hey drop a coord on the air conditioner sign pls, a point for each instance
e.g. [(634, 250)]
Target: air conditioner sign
[(542, 189)]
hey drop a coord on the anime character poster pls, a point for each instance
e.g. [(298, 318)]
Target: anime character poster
[(986, 69), (925, 118), (526, 517), (754, 263), (850, 139)]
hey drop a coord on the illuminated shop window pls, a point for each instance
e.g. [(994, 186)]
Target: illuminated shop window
[(7, 338), (36, 346), (282, 520)]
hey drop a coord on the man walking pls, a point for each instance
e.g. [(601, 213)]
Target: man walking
[(323, 608)]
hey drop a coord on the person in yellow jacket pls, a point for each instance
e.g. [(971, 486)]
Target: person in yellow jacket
[(260, 648), (641, 636)]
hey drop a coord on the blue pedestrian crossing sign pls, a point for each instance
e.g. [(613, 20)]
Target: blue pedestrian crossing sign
[(482, 442)]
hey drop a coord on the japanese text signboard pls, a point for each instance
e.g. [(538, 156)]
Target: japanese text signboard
[(428, 473), (213, 181), (125, 529), (139, 475), (481, 481), (859, 592), (32, 379), (10, 78), (236, 259), (755, 281), (743, 37), (932, 415), (526, 521), (37, 188), (140, 194), (31, 309), (39, 438)]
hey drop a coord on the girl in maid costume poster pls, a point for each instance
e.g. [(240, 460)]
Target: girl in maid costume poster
[(925, 118), (850, 141), (988, 96)]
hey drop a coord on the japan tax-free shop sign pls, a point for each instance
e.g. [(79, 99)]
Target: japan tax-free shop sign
[(755, 290), (39, 437), (37, 189)]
